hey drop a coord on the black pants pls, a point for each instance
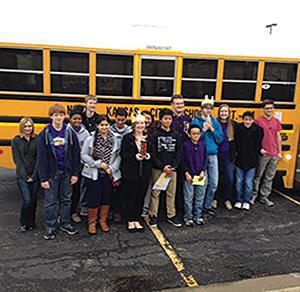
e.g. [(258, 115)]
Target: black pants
[(76, 196), (135, 193), (118, 199)]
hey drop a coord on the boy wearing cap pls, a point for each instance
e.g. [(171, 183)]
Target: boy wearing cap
[(82, 133), (213, 135)]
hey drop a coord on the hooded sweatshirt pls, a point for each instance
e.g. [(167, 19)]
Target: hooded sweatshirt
[(248, 145), (82, 133), (120, 132), (211, 139), (166, 148)]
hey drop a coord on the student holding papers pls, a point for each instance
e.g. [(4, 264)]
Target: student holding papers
[(194, 158), (166, 157)]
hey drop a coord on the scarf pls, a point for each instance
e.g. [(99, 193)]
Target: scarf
[(103, 148)]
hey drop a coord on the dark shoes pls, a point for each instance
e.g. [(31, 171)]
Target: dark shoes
[(209, 211), (68, 229), (174, 221), (153, 221), (49, 235)]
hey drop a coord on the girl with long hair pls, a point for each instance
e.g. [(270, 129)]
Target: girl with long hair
[(100, 155), (24, 149)]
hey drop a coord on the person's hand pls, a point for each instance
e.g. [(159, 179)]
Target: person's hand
[(168, 170), (139, 157), (147, 156), (73, 180), (202, 175), (188, 177), (263, 151), (279, 155), (108, 170), (30, 180), (206, 126), (45, 185), (103, 165)]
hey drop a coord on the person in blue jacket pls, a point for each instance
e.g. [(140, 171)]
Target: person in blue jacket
[(58, 156), (213, 135)]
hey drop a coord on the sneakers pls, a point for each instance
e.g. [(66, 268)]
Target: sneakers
[(153, 221), (267, 202), (228, 205), (49, 235), (252, 201), (246, 206), (199, 221), (68, 229), (23, 228), (238, 205), (83, 213), (189, 222), (209, 211), (214, 204), (174, 221), (76, 218), (145, 214)]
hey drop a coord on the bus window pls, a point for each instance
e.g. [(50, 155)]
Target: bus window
[(239, 80), (21, 70), (114, 75), (69, 72), (157, 77), (199, 78), (279, 81)]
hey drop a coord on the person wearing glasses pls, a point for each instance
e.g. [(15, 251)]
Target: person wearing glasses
[(270, 154), (180, 123)]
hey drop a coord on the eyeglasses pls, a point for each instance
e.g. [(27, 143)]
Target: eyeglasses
[(269, 108)]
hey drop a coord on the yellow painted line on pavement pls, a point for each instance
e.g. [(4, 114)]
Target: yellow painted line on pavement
[(287, 197), (176, 260)]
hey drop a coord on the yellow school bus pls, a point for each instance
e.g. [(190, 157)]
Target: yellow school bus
[(33, 77)]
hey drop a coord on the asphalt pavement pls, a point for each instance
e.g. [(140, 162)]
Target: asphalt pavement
[(234, 245)]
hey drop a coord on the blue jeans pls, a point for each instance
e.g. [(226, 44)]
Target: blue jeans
[(244, 184), (226, 169), (213, 179), (58, 197), (193, 196), (29, 195)]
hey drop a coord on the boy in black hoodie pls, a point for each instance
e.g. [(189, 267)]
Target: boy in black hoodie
[(248, 137), (166, 159)]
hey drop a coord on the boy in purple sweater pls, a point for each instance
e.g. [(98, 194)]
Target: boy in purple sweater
[(194, 163)]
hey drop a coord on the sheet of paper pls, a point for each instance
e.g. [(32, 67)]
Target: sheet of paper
[(197, 182), (162, 182)]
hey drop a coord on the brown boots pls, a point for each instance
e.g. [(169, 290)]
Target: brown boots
[(104, 209), (92, 218)]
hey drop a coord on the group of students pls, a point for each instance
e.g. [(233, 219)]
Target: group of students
[(90, 167)]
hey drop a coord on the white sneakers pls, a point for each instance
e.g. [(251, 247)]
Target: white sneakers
[(244, 206), (238, 205)]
